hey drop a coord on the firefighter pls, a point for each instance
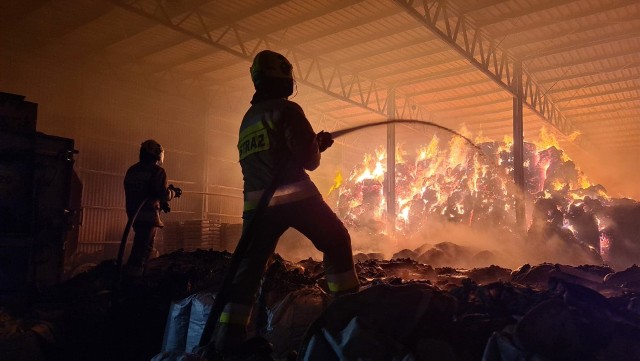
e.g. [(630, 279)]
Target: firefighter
[(145, 186), (276, 138)]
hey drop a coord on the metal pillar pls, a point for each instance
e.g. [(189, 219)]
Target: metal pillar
[(518, 147), (391, 162)]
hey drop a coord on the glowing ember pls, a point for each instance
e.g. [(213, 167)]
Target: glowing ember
[(605, 245)]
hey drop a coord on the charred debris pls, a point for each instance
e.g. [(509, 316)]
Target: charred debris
[(407, 310)]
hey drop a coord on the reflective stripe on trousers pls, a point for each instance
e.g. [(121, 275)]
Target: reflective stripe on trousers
[(236, 314), (344, 281), (315, 220), (286, 193)]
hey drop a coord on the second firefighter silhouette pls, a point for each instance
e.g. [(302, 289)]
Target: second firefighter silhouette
[(146, 192), (277, 139)]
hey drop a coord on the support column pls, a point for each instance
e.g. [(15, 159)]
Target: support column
[(205, 164), (518, 147), (391, 162)]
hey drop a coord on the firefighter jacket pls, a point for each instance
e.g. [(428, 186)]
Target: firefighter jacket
[(146, 181), (275, 136)]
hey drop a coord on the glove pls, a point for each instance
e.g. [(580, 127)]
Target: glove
[(324, 140), (164, 206), (176, 191)]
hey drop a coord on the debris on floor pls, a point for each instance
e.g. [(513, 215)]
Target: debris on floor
[(406, 310)]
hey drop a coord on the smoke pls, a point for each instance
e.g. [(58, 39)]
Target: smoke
[(619, 173), (441, 244), (459, 245), (617, 169)]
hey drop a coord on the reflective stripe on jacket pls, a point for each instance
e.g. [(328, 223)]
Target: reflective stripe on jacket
[(276, 136), (286, 193)]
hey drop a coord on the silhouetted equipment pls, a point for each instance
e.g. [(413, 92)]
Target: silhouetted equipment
[(36, 173)]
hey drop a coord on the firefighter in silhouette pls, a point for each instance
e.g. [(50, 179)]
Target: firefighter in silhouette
[(276, 138), (146, 192)]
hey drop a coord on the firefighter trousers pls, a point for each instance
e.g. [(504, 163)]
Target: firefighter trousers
[(315, 220)]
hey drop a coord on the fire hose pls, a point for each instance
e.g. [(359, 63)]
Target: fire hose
[(127, 230), (223, 293), (339, 133), (123, 241)]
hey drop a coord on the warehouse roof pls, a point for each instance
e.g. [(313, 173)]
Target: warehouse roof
[(453, 62)]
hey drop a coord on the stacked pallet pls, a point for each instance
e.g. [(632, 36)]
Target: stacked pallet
[(169, 238), (230, 235), (191, 235)]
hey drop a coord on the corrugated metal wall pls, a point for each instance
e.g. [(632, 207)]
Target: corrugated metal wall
[(224, 177)]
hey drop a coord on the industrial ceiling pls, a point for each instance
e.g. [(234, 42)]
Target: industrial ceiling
[(449, 61)]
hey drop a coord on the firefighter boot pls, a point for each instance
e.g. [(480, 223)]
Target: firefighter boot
[(228, 337)]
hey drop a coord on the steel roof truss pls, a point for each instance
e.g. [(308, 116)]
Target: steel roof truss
[(484, 54), (195, 25)]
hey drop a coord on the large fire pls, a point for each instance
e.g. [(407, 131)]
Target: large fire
[(448, 180)]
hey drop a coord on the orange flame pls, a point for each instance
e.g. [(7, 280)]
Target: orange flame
[(337, 181), (442, 182)]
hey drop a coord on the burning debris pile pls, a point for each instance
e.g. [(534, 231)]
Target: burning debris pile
[(474, 188), (405, 310)]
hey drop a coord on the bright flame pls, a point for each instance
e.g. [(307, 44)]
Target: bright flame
[(508, 141), (400, 154), (482, 139), (337, 181), (547, 139), (558, 185), (573, 136), (458, 184)]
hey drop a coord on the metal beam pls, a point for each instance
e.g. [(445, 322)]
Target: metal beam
[(602, 71), (474, 108), (313, 71), (347, 26), (438, 75), (618, 134), (603, 84), (391, 165), (632, 55), (564, 18), (518, 148), (594, 105), (394, 61), (471, 6), (540, 6), (609, 120), (377, 50), (360, 41), (619, 90), (432, 90), (466, 97), (130, 29), (613, 113), (279, 26), (486, 55), (579, 45), (619, 142)]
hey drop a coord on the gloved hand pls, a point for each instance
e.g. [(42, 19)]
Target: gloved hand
[(164, 206), (176, 191), (324, 140)]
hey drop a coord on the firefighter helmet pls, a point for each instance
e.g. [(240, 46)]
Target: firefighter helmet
[(151, 149), (269, 64)]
